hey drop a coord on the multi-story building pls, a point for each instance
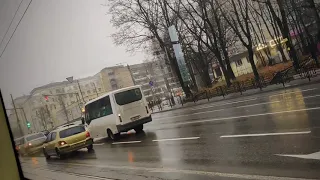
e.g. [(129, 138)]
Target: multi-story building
[(156, 78), (115, 77), (57, 103)]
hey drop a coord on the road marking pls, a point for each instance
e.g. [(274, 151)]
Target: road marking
[(294, 92), (98, 144), (232, 102), (246, 116), (175, 139), (194, 172), (315, 155), (306, 97), (265, 134), (204, 112), (127, 142)]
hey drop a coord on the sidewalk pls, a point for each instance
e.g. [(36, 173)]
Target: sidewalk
[(270, 88)]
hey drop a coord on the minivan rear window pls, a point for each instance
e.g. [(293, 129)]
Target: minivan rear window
[(71, 131), (128, 96)]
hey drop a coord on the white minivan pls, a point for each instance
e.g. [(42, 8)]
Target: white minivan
[(117, 111)]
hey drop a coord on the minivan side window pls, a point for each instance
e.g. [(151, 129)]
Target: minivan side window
[(97, 109)]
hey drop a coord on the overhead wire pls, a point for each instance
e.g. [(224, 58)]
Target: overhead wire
[(15, 29)]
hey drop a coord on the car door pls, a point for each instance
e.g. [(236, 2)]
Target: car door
[(51, 144), (46, 145)]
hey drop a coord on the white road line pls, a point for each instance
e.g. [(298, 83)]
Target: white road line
[(175, 139), (246, 116), (127, 142), (315, 155), (232, 102), (181, 171), (204, 112), (265, 134), (304, 90), (98, 144), (306, 97)]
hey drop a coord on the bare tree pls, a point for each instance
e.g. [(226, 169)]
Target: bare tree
[(139, 22), (236, 13)]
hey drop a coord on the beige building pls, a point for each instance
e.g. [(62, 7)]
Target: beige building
[(115, 77), (57, 103)]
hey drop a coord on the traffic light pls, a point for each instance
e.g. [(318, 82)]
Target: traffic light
[(28, 125), (46, 98)]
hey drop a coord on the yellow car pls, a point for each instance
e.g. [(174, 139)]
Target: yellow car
[(66, 139)]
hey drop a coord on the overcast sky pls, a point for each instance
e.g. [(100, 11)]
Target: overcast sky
[(56, 39)]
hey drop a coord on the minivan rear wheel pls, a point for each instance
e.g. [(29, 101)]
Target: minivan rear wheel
[(139, 128)]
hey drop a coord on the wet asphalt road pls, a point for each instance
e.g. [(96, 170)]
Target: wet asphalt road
[(252, 137)]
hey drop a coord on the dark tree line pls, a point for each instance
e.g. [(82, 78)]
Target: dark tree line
[(209, 31)]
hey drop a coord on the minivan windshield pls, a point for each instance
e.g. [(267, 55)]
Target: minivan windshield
[(71, 131), (128, 96)]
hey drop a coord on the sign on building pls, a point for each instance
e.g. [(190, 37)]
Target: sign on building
[(179, 54)]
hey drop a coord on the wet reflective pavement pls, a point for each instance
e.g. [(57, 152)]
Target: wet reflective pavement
[(275, 135)]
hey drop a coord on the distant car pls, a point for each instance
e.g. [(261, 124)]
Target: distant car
[(30, 143), (66, 139), (18, 142)]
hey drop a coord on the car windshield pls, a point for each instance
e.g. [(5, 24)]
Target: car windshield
[(35, 136), (128, 96), (71, 131)]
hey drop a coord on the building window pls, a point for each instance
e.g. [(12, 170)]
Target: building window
[(89, 92), (110, 73), (99, 89), (54, 106), (239, 62), (114, 86), (58, 91), (87, 85), (70, 95)]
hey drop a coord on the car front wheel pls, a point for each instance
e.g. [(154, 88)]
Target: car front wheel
[(46, 154)]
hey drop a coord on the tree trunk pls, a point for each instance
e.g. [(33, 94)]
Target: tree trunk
[(253, 65)]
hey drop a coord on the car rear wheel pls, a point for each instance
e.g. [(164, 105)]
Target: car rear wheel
[(139, 128), (46, 154), (59, 155)]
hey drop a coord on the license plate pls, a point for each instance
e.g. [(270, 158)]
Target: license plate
[(135, 118)]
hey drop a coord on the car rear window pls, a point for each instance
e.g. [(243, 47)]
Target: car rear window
[(71, 131), (35, 136), (129, 96)]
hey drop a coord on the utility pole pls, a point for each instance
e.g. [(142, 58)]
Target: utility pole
[(18, 120), (80, 91), (64, 108)]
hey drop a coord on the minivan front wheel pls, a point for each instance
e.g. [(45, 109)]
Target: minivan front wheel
[(111, 135)]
